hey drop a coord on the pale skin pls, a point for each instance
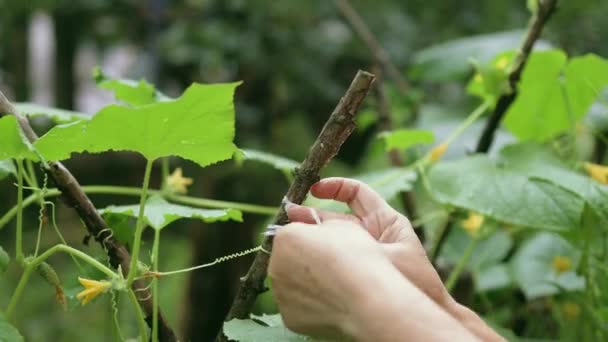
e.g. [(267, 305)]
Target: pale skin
[(363, 276)]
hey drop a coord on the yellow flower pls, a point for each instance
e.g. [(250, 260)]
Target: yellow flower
[(502, 63), (597, 172), (561, 264), (92, 289), (438, 151), (571, 310), (177, 183), (472, 223)]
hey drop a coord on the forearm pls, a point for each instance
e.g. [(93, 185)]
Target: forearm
[(397, 310)]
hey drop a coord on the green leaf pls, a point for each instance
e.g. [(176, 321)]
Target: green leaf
[(158, 213), (532, 266), (8, 333), (198, 126), (450, 60), (136, 93), (497, 190), (248, 330), (6, 168), (59, 116), (553, 96), (402, 139), (282, 164), (13, 144), (4, 260), (122, 226)]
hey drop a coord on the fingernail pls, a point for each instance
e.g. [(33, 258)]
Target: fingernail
[(272, 229)]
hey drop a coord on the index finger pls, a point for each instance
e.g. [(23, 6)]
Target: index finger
[(360, 197)]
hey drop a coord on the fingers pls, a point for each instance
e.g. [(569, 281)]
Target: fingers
[(299, 213), (360, 197)]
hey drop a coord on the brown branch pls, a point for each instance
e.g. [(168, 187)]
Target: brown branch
[(96, 227), (535, 28), (366, 35), (338, 127), (386, 124)]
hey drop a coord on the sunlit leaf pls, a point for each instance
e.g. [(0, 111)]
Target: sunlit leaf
[(491, 80), (553, 96), (248, 330), (59, 116), (13, 145), (532, 266), (8, 333), (159, 213), (402, 139), (198, 126)]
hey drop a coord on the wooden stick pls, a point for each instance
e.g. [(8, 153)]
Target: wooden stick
[(338, 127)]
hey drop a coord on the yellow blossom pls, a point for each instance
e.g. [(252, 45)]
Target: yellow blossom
[(177, 183), (571, 310), (561, 264), (502, 63), (597, 172), (438, 151), (472, 223), (92, 289)]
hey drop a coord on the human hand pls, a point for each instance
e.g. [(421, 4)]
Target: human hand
[(388, 227), (334, 281), (317, 271)]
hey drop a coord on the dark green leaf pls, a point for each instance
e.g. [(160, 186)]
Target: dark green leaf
[(498, 191), (450, 60), (532, 266), (198, 126), (248, 330), (158, 213), (401, 139)]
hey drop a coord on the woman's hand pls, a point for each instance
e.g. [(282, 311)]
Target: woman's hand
[(388, 227)]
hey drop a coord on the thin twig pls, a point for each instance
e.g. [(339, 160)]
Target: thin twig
[(386, 124), (338, 127), (535, 28), (96, 227), (363, 31)]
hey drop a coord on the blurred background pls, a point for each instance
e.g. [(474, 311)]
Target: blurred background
[(296, 58)]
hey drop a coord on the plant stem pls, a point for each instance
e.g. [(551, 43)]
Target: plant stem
[(141, 322), (19, 233), (140, 225), (18, 291), (31, 265), (164, 169), (464, 260), (131, 191), (155, 251)]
